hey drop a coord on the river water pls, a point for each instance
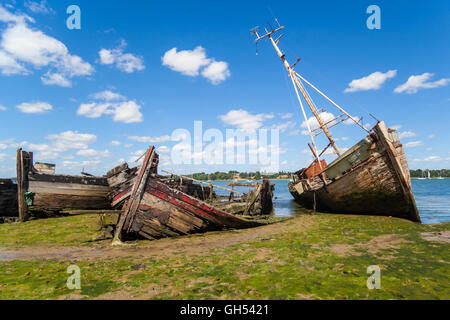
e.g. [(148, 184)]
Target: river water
[(432, 198)]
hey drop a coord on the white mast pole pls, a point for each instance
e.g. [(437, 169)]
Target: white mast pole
[(335, 104), (304, 115)]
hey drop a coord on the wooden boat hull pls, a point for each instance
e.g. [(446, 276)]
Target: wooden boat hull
[(379, 185), (167, 212), (157, 208), (38, 188), (57, 192), (8, 198)]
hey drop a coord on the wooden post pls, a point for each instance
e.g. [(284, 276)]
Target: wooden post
[(22, 178), (131, 207)]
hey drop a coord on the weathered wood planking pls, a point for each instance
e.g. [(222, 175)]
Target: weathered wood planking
[(379, 185), (166, 212), (8, 198), (57, 192)]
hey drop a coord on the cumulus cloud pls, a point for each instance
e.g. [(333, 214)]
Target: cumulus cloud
[(284, 126), (71, 140), (58, 143), (406, 134), (216, 72), (39, 7), (151, 139), (190, 62), (2, 108), (413, 144), (371, 82), (314, 124), (22, 46), (108, 96), (244, 120), (287, 116), (109, 103), (125, 62), (93, 153), (415, 83), (34, 107), (115, 143), (56, 79)]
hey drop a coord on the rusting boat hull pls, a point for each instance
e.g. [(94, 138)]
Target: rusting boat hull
[(375, 181)]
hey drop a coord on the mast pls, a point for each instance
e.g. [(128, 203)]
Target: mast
[(298, 85)]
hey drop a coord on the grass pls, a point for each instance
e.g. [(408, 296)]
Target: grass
[(296, 260)]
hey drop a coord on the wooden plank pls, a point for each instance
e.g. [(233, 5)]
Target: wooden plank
[(21, 188), (203, 209), (132, 205), (381, 129)]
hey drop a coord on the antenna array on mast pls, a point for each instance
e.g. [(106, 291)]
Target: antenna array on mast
[(298, 86)]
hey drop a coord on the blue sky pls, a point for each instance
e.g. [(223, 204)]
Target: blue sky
[(138, 70)]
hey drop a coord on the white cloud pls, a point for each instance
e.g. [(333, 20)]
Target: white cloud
[(93, 153), (81, 164), (39, 7), (406, 134), (9, 66), (396, 127), (429, 159), (349, 121), (431, 136), (108, 96), (163, 149), (244, 120), (415, 83), (128, 112), (189, 63), (34, 107), (94, 109), (115, 143), (121, 111), (3, 146), (151, 139), (287, 116), (314, 124), (56, 79), (59, 143), (216, 72), (284, 126), (2, 108), (413, 144), (71, 140), (125, 62), (371, 82), (22, 44)]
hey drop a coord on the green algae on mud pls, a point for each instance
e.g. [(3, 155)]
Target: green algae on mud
[(320, 256)]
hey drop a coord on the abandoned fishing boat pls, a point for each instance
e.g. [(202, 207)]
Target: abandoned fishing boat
[(155, 206), (372, 177), (40, 189)]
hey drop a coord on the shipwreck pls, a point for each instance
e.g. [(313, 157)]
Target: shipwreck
[(372, 177), (155, 206), (152, 206)]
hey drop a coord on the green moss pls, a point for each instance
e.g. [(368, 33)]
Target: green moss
[(294, 262)]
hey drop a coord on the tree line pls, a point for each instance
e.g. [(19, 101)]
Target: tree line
[(419, 173), (231, 175)]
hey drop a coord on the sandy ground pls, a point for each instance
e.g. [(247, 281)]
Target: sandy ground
[(194, 244)]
